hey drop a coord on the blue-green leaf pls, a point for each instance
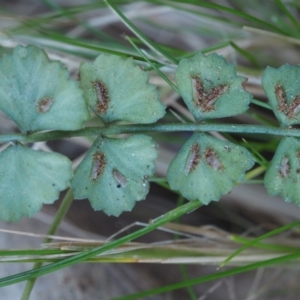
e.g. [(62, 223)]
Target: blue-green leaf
[(29, 178), (118, 90), (211, 88), (207, 168), (283, 174), (38, 94), (114, 173), (282, 86)]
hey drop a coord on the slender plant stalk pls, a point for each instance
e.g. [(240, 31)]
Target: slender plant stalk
[(160, 73), (262, 237), (139, 34), (119, 129), (182, 267), (64, 207)]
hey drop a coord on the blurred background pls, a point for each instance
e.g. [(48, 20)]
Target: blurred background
[(252, 35)]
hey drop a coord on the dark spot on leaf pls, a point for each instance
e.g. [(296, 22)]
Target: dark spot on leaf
[(44, 105), (212, 160), (145, 182), (290, 110), (227, 149), (98, 165), (102, 97), (206, 98), (120, 178), (193, 159), (244, 83)]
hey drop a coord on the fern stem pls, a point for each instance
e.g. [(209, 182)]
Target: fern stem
[(118, 129)]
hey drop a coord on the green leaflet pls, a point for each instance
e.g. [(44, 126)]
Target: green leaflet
[(118, 90), (37, 94), (29, 178), (114, 173), (283, 174), (283, 90), (207, 168), (210, 87)]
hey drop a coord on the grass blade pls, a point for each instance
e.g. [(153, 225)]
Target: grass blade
[(230, 11), (245, 53), (139, 34), (288, 14), (264, 236), (159, 72), (64, 207)]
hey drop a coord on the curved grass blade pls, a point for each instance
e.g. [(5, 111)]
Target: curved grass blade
[(262, 237), (293, 20), (245, 53), (139, 34), (159, 72), (234, 12)]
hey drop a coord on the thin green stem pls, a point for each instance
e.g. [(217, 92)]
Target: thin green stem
[(255, 172), (268, 246), (168, 217), (253, 242), (139, 34), (64, 207), (293, 20), (182, 267), (159, 72), (229, 10), (185, 275), (119, 129), (245, 53)]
